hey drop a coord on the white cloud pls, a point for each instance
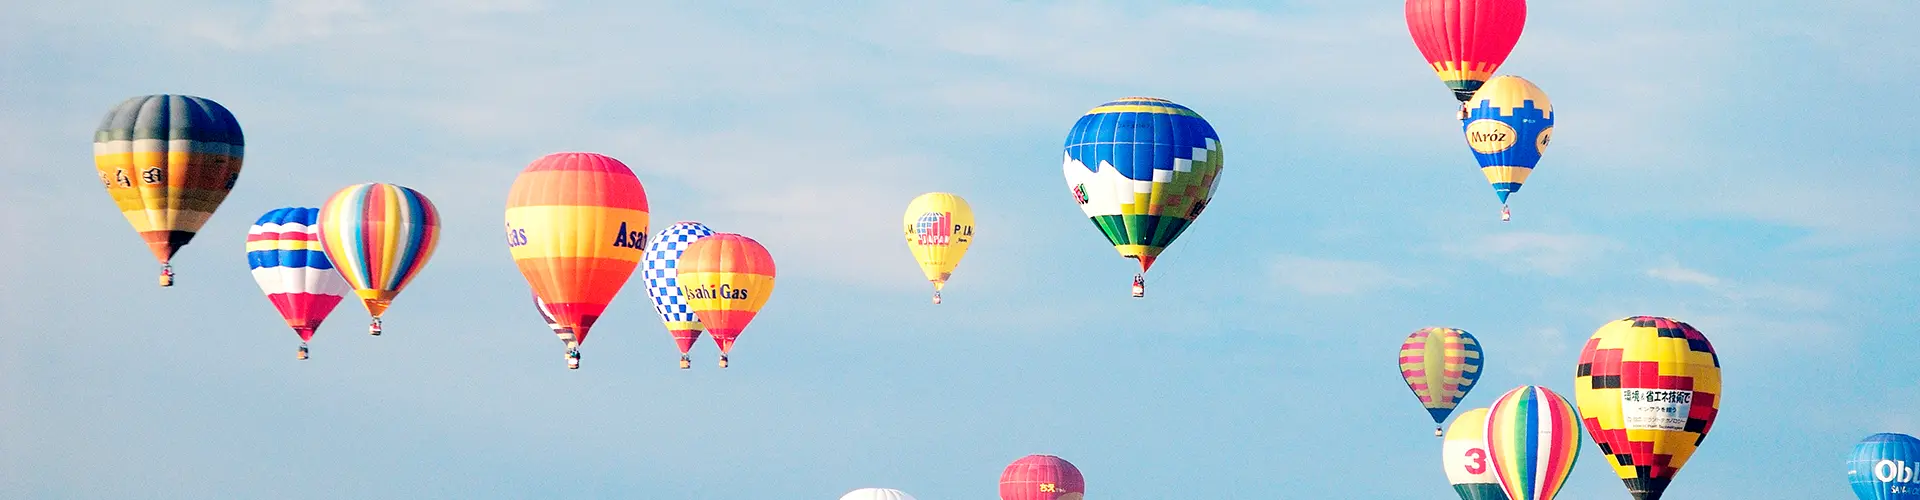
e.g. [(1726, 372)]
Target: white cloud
[(1672, 272), (1770, 296), (1549, 254), (1315, 276)]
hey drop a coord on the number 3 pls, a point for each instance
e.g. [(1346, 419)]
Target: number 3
[(1479, 457)]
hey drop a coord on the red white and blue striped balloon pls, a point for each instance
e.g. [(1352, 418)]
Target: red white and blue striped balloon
[(283, 248)]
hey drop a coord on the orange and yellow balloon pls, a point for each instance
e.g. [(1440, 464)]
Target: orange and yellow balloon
[(379, 236), (168, 161), (576, 227), (726, 278), (1649, 388), (939, 229)]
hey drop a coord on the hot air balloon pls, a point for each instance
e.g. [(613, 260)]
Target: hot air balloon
[(876, 494), (168, 161), (1440, 366), (1508, 128), (1650, 389), (1464, 453), (1465, 40), (1042, 477), (565, 334), (939, 229), (576, 226), (725, 278), (663, 285), (1533, 440), (1142, 169), (283, 248), (1885, 466), (379, 236)]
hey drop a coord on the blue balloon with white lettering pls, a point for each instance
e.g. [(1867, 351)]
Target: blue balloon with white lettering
[(1886, 466)]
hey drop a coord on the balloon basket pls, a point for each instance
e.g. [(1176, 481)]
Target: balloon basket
[(936, 297), (166, 275), (1438, 433), (374, 327), (685, 362), (303, 352), (723, 361), (1505, 215)]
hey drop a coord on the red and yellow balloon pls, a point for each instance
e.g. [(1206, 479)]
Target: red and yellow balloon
[(726, 278), (576, 227)]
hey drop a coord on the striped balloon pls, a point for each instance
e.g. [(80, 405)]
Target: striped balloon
[(576, 224), (1885, 466), (1440, 365), (379, 236), (725, 278), (1533, 437), (540, 306), (283, 249), (1042, 477), (168, 161), (663, 284), (876, 494), (1650, 390), (1464, 454)]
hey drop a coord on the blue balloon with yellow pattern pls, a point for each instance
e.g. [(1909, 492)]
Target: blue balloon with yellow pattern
[(1508, 125), (1142, 169)]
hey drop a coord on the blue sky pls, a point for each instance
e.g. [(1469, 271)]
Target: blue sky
[(1747, 167)]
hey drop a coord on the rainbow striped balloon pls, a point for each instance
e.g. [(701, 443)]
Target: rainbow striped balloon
[(378, 236), (725, 278), (1534, 437)]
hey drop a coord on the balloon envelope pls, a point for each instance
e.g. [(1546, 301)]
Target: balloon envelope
[(1440, 365), (662, 272), (1142, 169), (168, 161), (1533, 438), (1649, 389), (876, 494), (1885, 466), (1509, 124), (576, 227), (283, 249), (1464, 453), (379, 236), (1465, 41), (726, 279), (1042, 477), (939, 229)]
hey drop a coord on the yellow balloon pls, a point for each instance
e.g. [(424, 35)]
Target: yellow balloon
[(939, 228)]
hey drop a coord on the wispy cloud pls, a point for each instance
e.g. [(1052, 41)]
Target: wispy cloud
[(1330, 277), (1551, 254), (1769, 296)]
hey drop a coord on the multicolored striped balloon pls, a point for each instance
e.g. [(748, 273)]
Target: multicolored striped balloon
[(1533, 438), (168, 161), (939, 229), (1885, 466), (1440, 365), (1650, 390), (662, 273), (1508, 125), (1464, 453), (1042, 477), (726, 278), (379, 236), (1142, 169), (540, 306), (576, 226), (283, 249)]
